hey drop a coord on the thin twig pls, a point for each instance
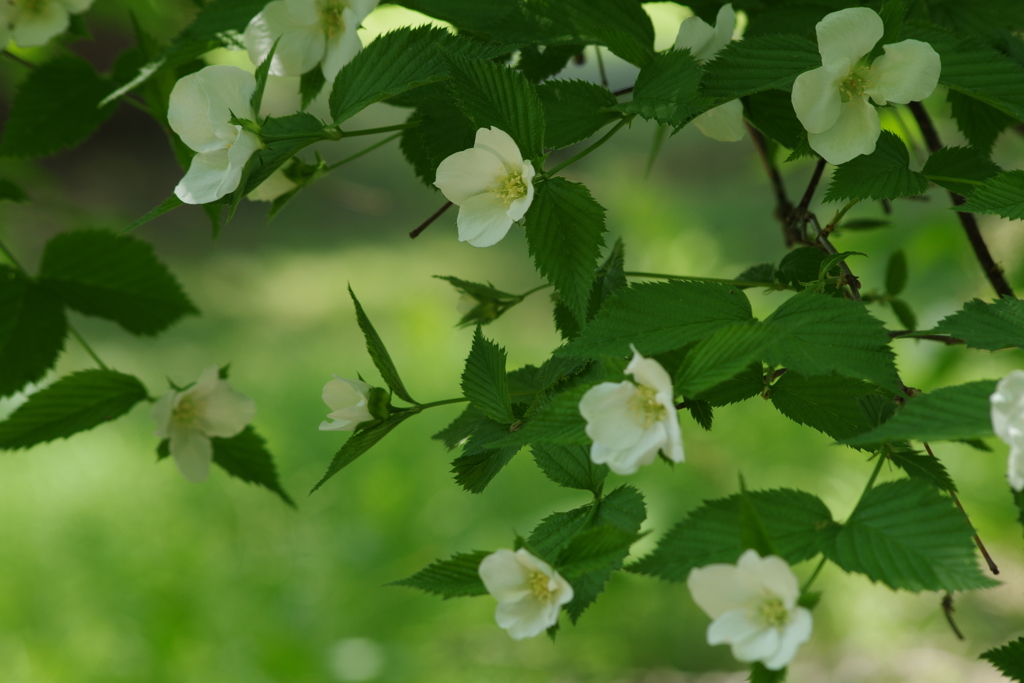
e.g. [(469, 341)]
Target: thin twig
[(947, 609), (910, 334), (425, 224), (600, 67), (624, 91), (812, 186), (852, 282), (783, 207)]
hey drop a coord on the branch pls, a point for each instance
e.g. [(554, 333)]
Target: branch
[(425, 224), (783, 207)]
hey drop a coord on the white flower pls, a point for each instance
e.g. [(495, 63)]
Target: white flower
[(832, 100), (190, 417), (529, 592), (200, 111), (629, 423), (309, 32), (753, 607), (724, 122), (33, 22), (1008, 423), (491, 184), (347, 399)]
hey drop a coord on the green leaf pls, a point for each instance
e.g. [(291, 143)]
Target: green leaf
[(980, 123), (759, 673), (926, 468), (701, 411), (168, 204), (310, 85), (556, 421), (832, 405), (115, 277), (283, 137), (667, 90), (771, 111), (379, 354), (883, 174), (949, 166), (896, 273), (960, 412), (246, 457), (484, 381), (479, 462), (623, 508), (904, 313), (461, 428), (361, 441), (55, 107), (564, 230), (493, 95), (11, 192), (1002, 194), (623, 27), (574, 110), (753, 533), (759, 63), (441, 130), (32, 330), (800, 266), (793, 521), (72, 404), (570, 466), (537, 65), (720, 357), (991, 326), (747, 384), (455, 577), (1009, 659), (659, 317), (598, 549), (907, 535)]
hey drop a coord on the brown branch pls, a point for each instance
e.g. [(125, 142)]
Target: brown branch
[(783, 207), (992, 270), (812, 186), (425, 224), (948, 609)]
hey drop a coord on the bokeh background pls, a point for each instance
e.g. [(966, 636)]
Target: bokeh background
[(114, 568)]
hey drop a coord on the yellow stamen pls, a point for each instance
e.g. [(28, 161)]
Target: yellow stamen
[(331, 20), (186, 412), (539, 585), (646, 407), (772, 612), (854, 85), (509, 187)]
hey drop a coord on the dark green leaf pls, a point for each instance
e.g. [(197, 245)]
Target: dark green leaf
[(883, 174), (701, 411), (992, 326), (748, 383), (927, 468), (283, 137), (1009, 659), (461, 427), (904, 313), (455, 577), (310, 85), (32, 330), (570, 466), (360, 442), (830, 404), (538, 65), (759, 63), (557, 421), (980, 123), (622, 26), (771, 111), (667, 90), (379, 353), (245, 456), (596, 549), (759, 673), (441, 130), (896, 273), (72, 404), (11, 192), (1002, 194), (484, 381), (800, 266), (479, 462), (623, 508), (720, 357), (168, 204), (950, 166), (574, 110)]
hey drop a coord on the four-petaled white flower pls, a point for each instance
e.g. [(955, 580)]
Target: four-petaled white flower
[(190, 417), (1008, 423), (348, 401), (200, 111), (753, 607), (491, 184), (33, 22), (630, 423), (832, 100), (724, 122), (529, 592), (309, 32)]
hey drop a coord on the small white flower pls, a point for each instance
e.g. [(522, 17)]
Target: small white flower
[(529, 592), (832, 100), (33, 22), (1008, 423), (724, 122), (309, 32), (753, 607), (190, 417), (347, 399), (629, 423), (491, 184), (200, 111)]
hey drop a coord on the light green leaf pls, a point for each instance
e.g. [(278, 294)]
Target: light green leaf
[(759, 63), (949, 166), (484, 381), (574, 110), (379, 353), (32, 330), (720, 357), (1002, 195), (72, 404), (361, 441), (667, 90), (832, 405), (455, 577), (896, 273), (991, 326), (883, 174), (570, 466), (907, 535)]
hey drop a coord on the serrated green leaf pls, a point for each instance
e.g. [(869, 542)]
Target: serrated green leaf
[(896, 273), (361, 441), (441, 130), (907, 535), (799, 266), (32, 330), (557, 420), (960, 412), (701, 411), (283, 136), (621, 26), (115, 277), (793, 520), (771, 112), (168, 204), (759, 63), (565, 232), (927, 468), (455, 577), (379, 353), (246, 457), (1009, 659), (55, 107), (484, 381), (720, 357), (667, 90), (72, 404), (493, 95), (11, 192), (980, 123), (574, 110), (570, 466), (991, 326), (659, 317), (883, 174), (479, 462), (310, 85), (461, 428), (747, 384), (596, 549), (1002, 194), (830, 404), (949, 166), (538, 65)]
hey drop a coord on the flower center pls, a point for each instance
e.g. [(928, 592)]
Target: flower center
[(772, 612), (854, 84), (539, 585), (646, 406), (33, 6), (331, 20), (509, 187), (186, 412)]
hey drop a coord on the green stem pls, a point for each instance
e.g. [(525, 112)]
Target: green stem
[(369, 149), (965, 181), (375, 131), (535, 289), (871, 481), (591, 148), (839, 216), (461, 399), (738, 283), (814, 575)]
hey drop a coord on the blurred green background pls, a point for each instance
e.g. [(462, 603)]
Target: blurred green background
[(114, 568)]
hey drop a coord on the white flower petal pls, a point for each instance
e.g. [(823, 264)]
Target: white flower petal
[(206, 384), (626, 461), (848, 34), (907, 72), (517, 209), (161, 413), (723, 123), (37, 26), (816, 98), (610, 420), (761, 645), (1015, 465), (525, 618), (304, 11), (467, 174), (226, 412), (483, 220), (504, 576), (696, 35), (649, 372), (775, 575), (501, 143), (732, 627), (343, 393), (855, 132), (301, 45), (192, 452), (523, 610), (713, 588), (796, 633), (201, 183), (202, 103), (340, 49), (1008, 407)]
